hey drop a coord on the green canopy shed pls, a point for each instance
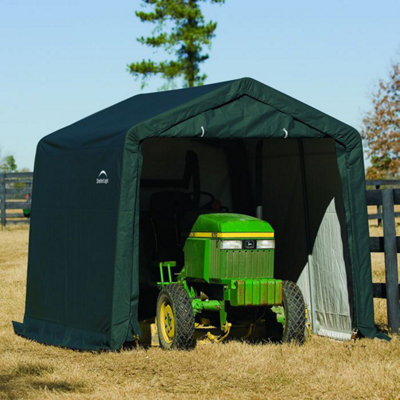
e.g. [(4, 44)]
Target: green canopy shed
[(250, 148)]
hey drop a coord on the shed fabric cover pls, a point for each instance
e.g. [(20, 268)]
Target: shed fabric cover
[(82, 286)]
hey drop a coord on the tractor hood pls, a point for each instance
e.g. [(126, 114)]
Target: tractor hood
[(231, 223)]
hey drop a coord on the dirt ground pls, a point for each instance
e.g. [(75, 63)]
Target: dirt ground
[(321, 369)]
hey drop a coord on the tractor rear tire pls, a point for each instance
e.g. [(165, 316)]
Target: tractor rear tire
[(175, 319), (295, 315)]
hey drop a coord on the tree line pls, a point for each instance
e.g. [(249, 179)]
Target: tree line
[(8, 164), (381, 128)]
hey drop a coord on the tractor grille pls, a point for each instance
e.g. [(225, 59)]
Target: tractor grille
[(242, 264)]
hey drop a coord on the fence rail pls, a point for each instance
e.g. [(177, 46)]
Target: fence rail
[(389, 244), (377, 185), (13, 189)]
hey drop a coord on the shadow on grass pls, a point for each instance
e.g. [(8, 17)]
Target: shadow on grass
[(26, 378)]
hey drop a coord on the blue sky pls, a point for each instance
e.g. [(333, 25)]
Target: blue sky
[(63, 60)]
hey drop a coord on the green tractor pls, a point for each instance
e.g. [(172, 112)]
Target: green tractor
[(227, 280)]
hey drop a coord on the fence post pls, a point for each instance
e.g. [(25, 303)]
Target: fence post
[(3, 198), (379, 208), (392, 279)]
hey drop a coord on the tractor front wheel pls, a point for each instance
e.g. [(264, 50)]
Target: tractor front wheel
[(175, 319), (295, 316)]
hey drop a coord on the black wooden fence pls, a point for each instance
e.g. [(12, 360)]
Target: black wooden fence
[(386, 199), (13, 190)]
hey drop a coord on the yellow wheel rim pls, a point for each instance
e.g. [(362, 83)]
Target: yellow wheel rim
[(167, 322)]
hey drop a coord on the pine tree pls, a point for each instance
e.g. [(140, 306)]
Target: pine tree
[(381, 128), (181, 31)]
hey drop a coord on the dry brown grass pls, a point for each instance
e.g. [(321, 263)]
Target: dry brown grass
[(321, 369)]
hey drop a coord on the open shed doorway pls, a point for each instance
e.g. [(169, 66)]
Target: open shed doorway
[(294, 184)]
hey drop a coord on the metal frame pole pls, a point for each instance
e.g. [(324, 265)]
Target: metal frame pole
[(311, 278)]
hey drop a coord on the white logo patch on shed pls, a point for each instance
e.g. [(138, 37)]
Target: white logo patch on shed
[(102, 178)]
